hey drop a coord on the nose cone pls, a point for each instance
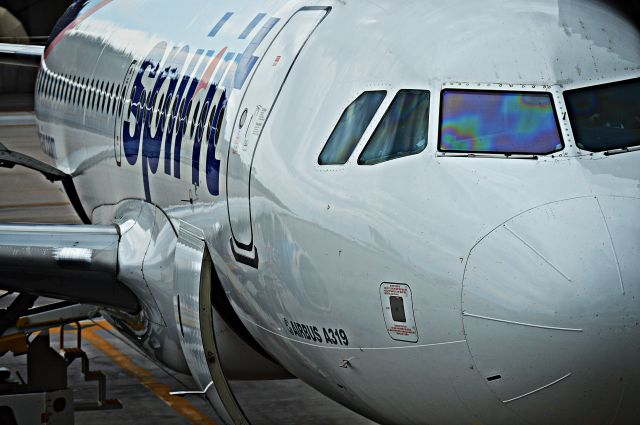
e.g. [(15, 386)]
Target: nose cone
[(551, 310)]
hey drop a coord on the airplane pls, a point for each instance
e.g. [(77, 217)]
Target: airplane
[(425, 210)]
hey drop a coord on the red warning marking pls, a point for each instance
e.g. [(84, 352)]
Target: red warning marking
[(395, 289), (402, 330), (204, 82)]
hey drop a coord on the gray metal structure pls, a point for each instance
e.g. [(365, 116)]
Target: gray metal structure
[(74, 263)]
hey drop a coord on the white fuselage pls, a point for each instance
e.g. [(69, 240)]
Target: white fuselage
[(517, 268)]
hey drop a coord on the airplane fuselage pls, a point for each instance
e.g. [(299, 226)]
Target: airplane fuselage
[(429, 288)]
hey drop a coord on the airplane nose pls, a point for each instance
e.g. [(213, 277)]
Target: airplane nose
[(551, 311)]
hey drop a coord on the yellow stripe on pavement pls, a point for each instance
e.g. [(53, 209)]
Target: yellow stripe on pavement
[(179, 404)]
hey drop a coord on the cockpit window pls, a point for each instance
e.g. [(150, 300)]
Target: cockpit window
[(498, 122), (605, 117), (352, 124), (402, 131)]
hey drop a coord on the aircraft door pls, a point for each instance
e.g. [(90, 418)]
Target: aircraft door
[(256, 105)]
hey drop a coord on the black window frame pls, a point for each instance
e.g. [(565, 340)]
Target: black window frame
[(76, 90), (385, 94), (103, 95), (116, 100), (109, 97), (56, 87), (45, 87), (380, 122), (166, 112), (210, 124), (173, 113), (93, 94), (219, 122), (160, 110), (185, 123), (140, 112), (591, 87), (85, 90), (194, 120), (65, 89), (202, 121), (179, 111)]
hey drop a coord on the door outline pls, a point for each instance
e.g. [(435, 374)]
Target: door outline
[(240, 256)]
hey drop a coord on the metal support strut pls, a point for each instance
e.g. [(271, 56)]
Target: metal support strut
[(70, 354)]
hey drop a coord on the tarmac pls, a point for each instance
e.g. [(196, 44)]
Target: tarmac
[(141, 386)]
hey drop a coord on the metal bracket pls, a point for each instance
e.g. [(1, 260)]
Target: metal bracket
[(346, 362), (202, 393), (9, 159)]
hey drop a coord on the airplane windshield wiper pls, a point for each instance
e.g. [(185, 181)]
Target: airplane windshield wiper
[(621, 150), (488, 155)]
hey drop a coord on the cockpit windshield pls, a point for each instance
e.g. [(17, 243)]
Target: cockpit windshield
[(495, 122), (605, 117)]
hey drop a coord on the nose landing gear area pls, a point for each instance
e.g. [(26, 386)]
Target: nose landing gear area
[(563, 281)]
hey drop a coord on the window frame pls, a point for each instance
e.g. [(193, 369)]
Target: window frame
[(591, 85), (554, 108), (186, 116), (103, 96), (210, 124), (65, 89), (379, 123), (219, 122), (76, 91), (109, 97), (93, 95), (140, 114), (385, 92), (194, 120), (85, 89), (202, 122), (56, 89)]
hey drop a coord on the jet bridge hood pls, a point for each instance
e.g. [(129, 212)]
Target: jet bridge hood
[(154, 279), (72, 262)]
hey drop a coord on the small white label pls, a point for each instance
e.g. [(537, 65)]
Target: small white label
[(73, 255)]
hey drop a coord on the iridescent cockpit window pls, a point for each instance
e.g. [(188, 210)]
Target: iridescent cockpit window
[(498, 122)]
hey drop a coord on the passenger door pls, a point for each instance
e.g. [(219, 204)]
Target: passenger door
[(258, 101)]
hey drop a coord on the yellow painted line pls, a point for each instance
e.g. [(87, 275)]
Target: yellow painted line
[(179, 404), (102, 323)]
